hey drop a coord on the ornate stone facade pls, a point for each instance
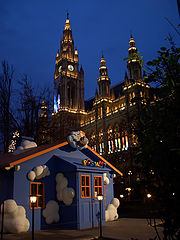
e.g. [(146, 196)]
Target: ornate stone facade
[(108, 119)]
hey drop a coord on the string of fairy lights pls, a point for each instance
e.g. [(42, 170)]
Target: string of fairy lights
[(12, 145)]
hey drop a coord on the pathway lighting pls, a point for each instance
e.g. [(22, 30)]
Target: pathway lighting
[(33, 200), (128, 189), (100, 198), (149, 195)]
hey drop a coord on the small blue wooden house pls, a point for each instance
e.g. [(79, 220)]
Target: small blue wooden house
[(64, 179)]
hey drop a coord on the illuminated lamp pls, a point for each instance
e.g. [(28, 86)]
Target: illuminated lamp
[(100, 198), (33, 200), (149, 195)]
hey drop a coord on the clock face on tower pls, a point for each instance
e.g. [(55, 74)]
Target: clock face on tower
[(70, 67)]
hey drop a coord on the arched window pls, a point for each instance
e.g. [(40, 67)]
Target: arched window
[(110, 140), (125, 140), (101, 143), (117, 139)]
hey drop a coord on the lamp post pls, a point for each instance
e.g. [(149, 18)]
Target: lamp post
[(33, 200), (2, 220), (100, 198)]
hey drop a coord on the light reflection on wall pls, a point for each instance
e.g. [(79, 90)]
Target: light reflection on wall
[(57, 103)]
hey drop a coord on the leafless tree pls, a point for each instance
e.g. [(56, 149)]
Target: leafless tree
[(7, 119), (30, 103)]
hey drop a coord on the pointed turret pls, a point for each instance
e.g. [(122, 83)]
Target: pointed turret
[(43, 113), (132, 49), (67, 43), (103, 80), (67, 23), (43, 130), (133, 63)]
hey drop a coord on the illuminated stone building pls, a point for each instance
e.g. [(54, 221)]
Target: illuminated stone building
[(68, 87), (108, 118)]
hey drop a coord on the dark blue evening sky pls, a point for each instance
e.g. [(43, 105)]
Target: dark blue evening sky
[(30, 33)]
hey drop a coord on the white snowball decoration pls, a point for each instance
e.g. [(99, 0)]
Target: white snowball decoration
[(17, 168), (15, 220), (51, 212), (106, 179), (38, 173), (111, 212), (25, 144), (78, 140), (64, 193), (28, 144), (59, 177), (31, 175), (115, 202)]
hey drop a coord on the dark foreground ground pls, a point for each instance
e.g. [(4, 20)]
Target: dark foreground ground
[(122, 229)]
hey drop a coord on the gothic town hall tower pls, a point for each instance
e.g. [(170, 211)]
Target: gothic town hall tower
[(68, 87)]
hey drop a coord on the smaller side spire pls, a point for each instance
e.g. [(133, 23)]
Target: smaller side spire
[(133, 62), (103, 62), (132, 42), (43, 113), (133, 50), (104, 80)]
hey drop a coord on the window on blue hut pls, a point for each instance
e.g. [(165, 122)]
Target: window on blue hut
[(85, 186), (37, 189), (98, 189), (101, 143), (117, 139), (110, 140)]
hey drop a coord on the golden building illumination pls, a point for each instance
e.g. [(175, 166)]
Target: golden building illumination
[(107, 118)]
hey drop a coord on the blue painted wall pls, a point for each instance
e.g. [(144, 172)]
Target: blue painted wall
[(68, 214), (6, 184), (83, 213)]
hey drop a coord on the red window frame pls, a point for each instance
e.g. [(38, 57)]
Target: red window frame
[(98, 187), (85, 186), (40, 196)]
